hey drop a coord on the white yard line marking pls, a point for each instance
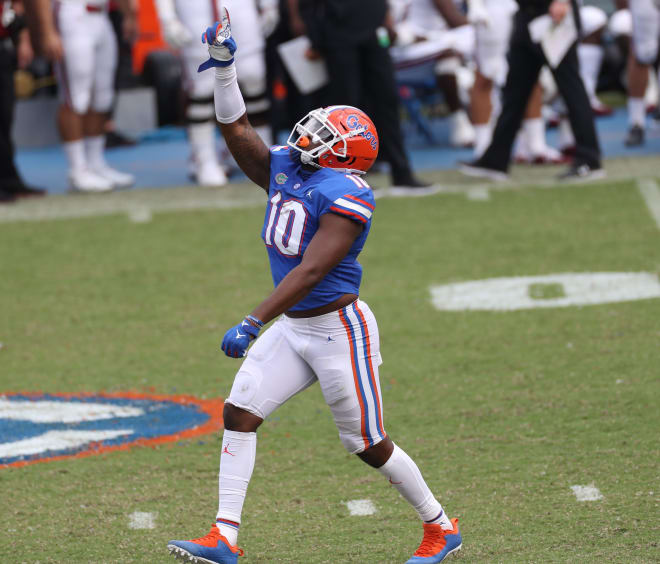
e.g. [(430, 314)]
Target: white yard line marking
[(651, 194), (478, 194), (513, 293), (142, 520), (139, 215), (361, 507), (239, 195), (587, 493)]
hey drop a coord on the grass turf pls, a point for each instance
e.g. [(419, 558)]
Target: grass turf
[(503, 412)]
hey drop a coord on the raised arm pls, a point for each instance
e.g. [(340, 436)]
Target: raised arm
[(330, 244), (250, 152)]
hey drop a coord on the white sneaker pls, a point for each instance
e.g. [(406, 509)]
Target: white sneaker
[(88, 181), (117, 179), (209, 173)]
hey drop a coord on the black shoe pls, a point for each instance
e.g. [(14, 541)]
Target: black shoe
[(411, 182), (582, 172), (477, 170), (114, 139), (25, 191), (6, 197), (635, 136), (18, 188)]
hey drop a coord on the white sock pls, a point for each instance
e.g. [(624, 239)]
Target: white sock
[(566, 137), (75, 154), (239, 451), (521, 145), (94, 147), (535, 132), (404, 475), (591, 59), (483, 134), (266, 134), (202, 141), (636, 111)]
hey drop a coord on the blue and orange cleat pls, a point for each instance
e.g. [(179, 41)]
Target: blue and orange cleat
[(213, 548), (437, 544)]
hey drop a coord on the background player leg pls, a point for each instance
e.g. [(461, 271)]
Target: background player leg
[(75, 74), (200, 114), (103, 93), (638, 78)]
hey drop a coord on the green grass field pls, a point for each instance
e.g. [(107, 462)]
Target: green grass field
[(503, 412)]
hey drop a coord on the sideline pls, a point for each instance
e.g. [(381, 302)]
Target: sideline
[(139, 205)]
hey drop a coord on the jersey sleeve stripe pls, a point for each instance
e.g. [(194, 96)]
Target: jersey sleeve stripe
[(348, 213), (366, 212), (370, 206)]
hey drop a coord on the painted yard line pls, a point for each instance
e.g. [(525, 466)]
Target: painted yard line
[(361, 507), (140, 214), (478, 194), (142, 520), (651, 194), (587, 493), (145, 202), (572, 289)]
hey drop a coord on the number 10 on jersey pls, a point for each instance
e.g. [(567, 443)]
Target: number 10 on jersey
[(286, 225)]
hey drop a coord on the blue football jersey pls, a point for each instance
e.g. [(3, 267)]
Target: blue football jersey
[(297, 200)]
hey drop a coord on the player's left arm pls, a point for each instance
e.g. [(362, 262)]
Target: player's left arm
[(250, 152), (330, 244)]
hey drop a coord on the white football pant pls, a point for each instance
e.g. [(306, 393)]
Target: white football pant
[(340, 350)]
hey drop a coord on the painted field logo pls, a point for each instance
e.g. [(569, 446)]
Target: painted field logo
[(43, 427), (550, 290)]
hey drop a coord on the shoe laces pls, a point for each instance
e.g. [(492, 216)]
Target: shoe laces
[(212, 539), (432, 542)]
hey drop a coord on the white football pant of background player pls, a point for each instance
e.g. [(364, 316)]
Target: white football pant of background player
[(86, 88)]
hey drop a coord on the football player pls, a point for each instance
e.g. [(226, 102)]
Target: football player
[(180, 22), (317, 220), (78, 37)]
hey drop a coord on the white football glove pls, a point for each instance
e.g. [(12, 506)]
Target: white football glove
[(221, 43)]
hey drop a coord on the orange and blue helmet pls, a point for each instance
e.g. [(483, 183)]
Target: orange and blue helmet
[(338, 137)]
